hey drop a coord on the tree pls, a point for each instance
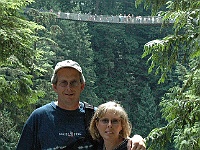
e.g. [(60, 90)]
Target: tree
[(148, 113), (45, 53), (8, 132), (17, 36), (181, 105), (166, 52)]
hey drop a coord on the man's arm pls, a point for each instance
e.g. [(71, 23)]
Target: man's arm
[(136, 143), (26, 140)]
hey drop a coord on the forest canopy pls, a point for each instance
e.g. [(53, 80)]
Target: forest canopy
[(153, 71)]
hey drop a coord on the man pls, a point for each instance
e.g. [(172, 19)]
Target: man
[(58, 125)]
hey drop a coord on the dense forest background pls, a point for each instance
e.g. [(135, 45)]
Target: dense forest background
[(114, 61)]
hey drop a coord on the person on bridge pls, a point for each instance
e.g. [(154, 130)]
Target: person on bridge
[(60, 124)]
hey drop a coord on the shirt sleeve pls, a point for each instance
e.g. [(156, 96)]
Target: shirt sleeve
[(29, 139)]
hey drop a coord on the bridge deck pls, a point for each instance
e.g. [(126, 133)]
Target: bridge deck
[(144, 20), (111, 19)]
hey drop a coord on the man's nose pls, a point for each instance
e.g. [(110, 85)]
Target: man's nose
[(68, 86)]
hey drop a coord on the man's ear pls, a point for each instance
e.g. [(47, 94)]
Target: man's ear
[(82, 86), (54, 87)]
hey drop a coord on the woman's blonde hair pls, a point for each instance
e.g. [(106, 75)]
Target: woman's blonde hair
[(116, 109)]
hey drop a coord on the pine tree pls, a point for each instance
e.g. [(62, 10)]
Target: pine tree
[(148, 114)]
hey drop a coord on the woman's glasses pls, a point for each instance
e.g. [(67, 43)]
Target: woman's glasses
[(106, 121)]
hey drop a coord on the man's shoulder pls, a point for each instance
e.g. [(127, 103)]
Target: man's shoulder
[(39, 113), (43, 109)]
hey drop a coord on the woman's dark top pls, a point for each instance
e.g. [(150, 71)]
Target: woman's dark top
[(122, 146)]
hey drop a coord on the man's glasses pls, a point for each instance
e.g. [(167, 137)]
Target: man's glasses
[(106, 121), (72, 84)]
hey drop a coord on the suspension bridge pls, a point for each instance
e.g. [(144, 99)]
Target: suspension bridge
[(124, 19), (120, 19)]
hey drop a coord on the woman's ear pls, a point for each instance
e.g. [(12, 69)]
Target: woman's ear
[(96, 123)]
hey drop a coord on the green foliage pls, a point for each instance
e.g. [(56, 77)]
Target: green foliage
[(151, 4), (157, 138), (164, 55), (19, 65), (166, 52), (45, 53), (9, 135), (42, 18), (16, 33), (148, 113), (180, 106), (17, 84), (17, 36), (188, 138)]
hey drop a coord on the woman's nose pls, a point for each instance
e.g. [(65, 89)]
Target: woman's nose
[(110, 123)]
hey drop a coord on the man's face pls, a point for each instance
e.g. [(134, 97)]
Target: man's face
[(68, 87)]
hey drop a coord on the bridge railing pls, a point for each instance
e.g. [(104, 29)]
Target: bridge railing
[(111, 19), (107, 18)]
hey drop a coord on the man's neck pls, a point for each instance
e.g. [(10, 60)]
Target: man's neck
[(67, 106)]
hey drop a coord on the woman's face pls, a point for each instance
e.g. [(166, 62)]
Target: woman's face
[(109, 126)]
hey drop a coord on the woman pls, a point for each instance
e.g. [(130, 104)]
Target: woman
[(110, 127)]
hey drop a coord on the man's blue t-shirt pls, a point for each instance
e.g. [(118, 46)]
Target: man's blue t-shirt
[(50, 127)]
